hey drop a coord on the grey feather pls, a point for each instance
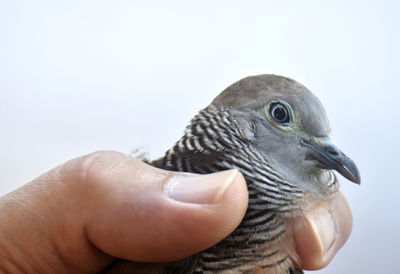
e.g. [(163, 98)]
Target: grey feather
[(287, 162)]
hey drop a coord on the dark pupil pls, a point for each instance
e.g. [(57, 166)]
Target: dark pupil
[(279, 113)]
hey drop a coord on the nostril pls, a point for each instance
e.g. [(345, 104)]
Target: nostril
[(332, 151)]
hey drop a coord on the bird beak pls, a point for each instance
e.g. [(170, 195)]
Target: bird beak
[(329, 156)]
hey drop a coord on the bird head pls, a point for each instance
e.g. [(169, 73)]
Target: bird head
[(288, 125)]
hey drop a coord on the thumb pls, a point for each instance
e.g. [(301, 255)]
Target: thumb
[(141, 213), (79, 216)]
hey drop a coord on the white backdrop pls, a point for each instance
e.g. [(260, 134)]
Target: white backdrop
[(79, 76)]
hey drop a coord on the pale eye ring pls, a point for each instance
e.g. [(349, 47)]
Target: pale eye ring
[(279, 113)]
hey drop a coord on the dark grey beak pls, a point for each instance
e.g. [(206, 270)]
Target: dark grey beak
[(329, 156)]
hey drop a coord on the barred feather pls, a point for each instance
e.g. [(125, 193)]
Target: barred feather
[(213, 142)]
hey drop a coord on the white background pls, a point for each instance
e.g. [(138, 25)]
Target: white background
[(79, 76)]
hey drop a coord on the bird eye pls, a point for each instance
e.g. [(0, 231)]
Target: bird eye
[(279, 112)]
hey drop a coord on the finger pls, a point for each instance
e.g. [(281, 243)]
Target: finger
[(141, 213), (321, 233), (78, 216)]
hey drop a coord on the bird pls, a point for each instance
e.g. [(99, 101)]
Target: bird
[(277, 134)]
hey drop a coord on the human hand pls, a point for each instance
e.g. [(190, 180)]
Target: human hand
[(81, 215)]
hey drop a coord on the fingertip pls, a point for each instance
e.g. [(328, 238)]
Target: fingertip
[(141, 213), (319, 234), (202, 213), (235, 200)]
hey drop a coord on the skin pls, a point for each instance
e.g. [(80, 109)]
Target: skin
[(79, 216)]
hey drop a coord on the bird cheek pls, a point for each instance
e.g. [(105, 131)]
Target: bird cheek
[(247, 127)]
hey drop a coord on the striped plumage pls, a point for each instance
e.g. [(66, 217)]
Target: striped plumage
[(213, 142), (286, 161), (276, 132)]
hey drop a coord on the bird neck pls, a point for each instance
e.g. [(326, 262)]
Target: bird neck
[(213, 142)]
